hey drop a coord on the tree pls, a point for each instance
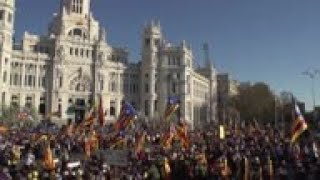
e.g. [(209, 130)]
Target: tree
[(255, 102), (10, 117)]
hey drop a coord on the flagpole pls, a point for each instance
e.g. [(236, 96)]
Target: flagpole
[(275, 110)]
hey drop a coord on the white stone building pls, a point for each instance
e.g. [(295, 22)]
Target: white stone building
[(73, 65)]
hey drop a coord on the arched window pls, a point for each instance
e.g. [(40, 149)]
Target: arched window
[(77, 32), (79, 87)]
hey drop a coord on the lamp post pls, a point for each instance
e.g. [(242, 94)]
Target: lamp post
[(312, 74)]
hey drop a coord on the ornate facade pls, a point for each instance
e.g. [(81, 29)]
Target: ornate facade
[(73, 65)]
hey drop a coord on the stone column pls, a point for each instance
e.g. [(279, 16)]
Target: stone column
[(64, 106), (23, 74), (37, 77), (22, 99)]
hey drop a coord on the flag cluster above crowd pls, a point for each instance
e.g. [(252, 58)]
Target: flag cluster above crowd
[(133, 149)]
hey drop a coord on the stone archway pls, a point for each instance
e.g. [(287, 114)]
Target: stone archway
[(81, 84)]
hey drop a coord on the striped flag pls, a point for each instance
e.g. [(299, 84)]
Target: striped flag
[(49, 164), (168, 137), (182, 133), (127, 115), (299, 125), (172, 107), (117, 140), (89, 119)]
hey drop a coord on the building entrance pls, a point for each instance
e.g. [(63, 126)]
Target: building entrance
[(79, 110)]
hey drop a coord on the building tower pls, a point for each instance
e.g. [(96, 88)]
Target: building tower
[(212, 76), (76, 7), (151, 41), (7, 14)]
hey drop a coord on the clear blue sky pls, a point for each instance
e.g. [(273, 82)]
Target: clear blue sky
[(254, 40)]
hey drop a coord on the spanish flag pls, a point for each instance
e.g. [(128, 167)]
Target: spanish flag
[(48, 159), (299, 125)]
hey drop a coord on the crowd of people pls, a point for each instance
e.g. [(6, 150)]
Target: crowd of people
[(242, 153)]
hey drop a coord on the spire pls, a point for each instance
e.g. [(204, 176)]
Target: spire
[(206, 55)]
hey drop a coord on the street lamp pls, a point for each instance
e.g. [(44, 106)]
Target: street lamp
[(312, 74)]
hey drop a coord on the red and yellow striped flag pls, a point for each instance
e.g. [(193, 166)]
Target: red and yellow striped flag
[(299, 125), (182, 133), (48, 159)]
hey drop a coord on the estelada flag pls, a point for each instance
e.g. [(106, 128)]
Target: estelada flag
[(299, 124), (126, 117), (172, 107)]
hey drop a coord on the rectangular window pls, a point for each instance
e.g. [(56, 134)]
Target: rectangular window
[(146, 107), (4, 77), (113, 86), (9, 17), (1, 14), (178, 61), (71, 51), (81, 53), (43, 82), (155, 105), (16, 79), (30, 80), (146, 87), (28, 101), (60, 81), (101, 85), (33, 81), (112, 108), (76, 52)]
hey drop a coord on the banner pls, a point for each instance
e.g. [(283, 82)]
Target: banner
[(115, 157)]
